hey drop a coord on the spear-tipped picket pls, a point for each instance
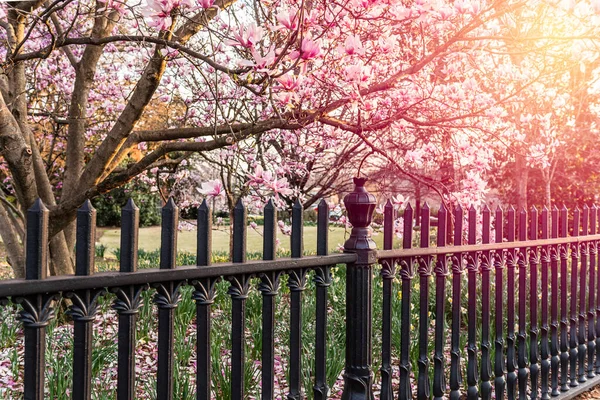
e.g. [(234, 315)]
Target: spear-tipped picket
[(554, 324), (581, 333), (85, 251), (239, 233), (405, 392), (168, 235), (511, 360), (297, 245), (523, 371), (323, 228), (441, 272), (545, 345), (424, 273), (500, 380), (534, 368), (564, 321), (388, 225), (455, 350), (408, 227), (472, 272), (130, 218), (204, 235), (270, 231), (573, 317), (486, 267), (36, 262), (593, 250)]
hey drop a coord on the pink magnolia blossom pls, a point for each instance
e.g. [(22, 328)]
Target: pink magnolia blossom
[(247, 36), (353, 45), (212, 189), (260, 63), (206, 3), (289, 81), (288, 19), (308, 50)]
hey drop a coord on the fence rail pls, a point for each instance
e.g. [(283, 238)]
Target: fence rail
[(532, 304)]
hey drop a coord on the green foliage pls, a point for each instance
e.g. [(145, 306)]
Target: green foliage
[(109, 205)]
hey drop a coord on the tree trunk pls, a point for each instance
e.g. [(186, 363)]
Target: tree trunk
[(12, 243), (521, 176)]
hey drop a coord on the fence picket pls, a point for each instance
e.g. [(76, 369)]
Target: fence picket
[(388, 271), (554, 347), (573, 317), (512, 259), (499, 367), (593, 253), (441, 273), (545, 349), (534, 261), (406, 274), (83, 309), (322, 279), (424, 274), (457, 270), (269, 286), (167, 297), (485, 267)]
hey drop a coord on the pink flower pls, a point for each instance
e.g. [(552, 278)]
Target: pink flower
[(308, 50), (353, 45), (287, 19), (206, 3), (261, 62), (288, 81), (247, 36), (212, 189)]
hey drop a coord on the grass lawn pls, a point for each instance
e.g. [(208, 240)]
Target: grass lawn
[(149, 239)]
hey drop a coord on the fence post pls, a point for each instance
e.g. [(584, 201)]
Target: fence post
[(358, 375)]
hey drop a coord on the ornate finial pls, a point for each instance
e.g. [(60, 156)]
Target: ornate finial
[(360, 205)]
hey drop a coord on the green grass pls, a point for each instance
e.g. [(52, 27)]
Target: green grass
[(149, 239)]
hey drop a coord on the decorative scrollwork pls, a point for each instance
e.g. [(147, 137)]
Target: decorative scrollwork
[(322, 277), (424, 265), (297, 279), (545, 254), (583, 248), (564, 251), (128, 298), (512, 259), (441, 265), (574, 251), (167, 294), (534, 258), (521, 259), (388, 268), (457, 264), (498, 259), (485, 263), (204, 292), (37, 310), (269, 283), (85, 304), (593, 248), (407, 271), (554, 253), (239, 286), (472, 262)]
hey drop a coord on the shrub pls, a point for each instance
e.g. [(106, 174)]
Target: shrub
[(109, 205)]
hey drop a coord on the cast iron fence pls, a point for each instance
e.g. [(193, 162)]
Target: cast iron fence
[(553, 351)]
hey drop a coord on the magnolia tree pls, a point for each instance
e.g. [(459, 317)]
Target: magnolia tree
[(96, 93)]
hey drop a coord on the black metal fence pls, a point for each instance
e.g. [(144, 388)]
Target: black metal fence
[(533, 311)]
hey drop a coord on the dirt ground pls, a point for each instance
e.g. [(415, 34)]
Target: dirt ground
[(593, 394)]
